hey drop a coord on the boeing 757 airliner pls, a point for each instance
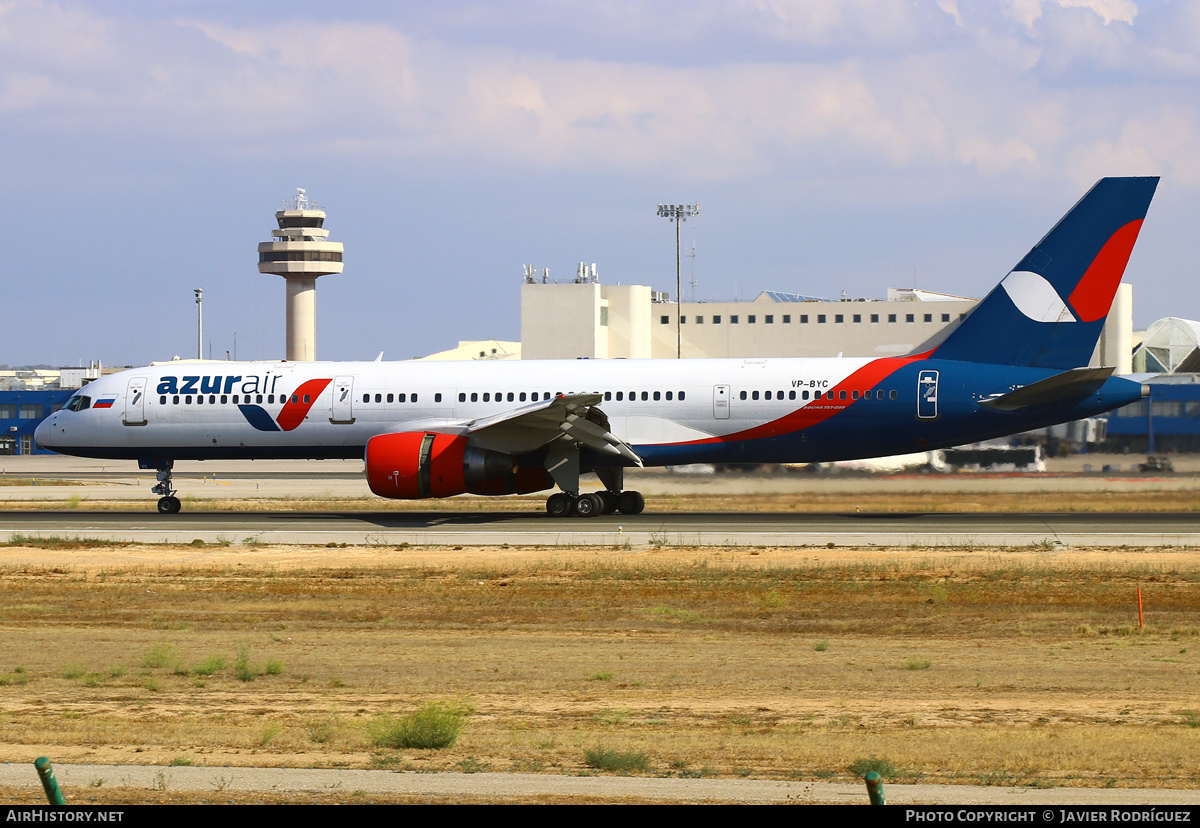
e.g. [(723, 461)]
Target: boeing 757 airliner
[(1014, 363)]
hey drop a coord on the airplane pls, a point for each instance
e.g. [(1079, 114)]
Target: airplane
[(1014, 363)]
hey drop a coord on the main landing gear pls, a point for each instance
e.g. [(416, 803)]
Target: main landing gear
[(168, 504), (562, 504)]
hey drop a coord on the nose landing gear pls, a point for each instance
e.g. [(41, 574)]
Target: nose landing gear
[(168, 504)]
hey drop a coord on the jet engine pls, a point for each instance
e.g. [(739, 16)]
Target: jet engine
[(412, 465)]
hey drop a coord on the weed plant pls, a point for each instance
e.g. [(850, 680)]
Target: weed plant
[(433, 726), (602, 758)]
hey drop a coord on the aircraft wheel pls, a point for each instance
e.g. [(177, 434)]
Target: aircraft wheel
[(588, 505), (558, 505), (631, 503), (168, 505), (610, 502)]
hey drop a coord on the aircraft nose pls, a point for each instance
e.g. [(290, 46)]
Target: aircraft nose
[(44, 433)]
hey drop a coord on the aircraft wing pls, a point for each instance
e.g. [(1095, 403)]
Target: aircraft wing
[(571, 417)]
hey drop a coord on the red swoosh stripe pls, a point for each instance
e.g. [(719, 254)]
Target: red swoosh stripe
[(817, 411), (293, 413)]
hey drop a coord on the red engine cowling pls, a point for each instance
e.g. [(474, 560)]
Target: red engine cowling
[(416, 464)]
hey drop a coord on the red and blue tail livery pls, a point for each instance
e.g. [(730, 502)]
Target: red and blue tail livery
[(1052, 305), (1016, 362)]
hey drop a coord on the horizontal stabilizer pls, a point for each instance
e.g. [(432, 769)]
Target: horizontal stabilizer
[(1078, 382)]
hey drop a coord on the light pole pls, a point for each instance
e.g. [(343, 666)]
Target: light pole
[(199, 323), (678, 213)]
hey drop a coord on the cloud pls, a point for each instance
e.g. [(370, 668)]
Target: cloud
[(869, 86)]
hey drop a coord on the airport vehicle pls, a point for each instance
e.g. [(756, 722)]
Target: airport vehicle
[(424, 429)]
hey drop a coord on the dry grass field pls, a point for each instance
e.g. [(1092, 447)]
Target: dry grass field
[(992, 666)]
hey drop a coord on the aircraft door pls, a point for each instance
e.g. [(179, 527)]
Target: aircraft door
[(927, 395), (343, 400), (720, 402), (135, 402)]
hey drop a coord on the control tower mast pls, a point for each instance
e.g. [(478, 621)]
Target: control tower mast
[(300, 252)]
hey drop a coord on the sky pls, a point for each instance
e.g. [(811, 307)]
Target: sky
[(833, 146)]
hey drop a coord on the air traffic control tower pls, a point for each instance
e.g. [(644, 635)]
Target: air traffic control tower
[(300, 252)]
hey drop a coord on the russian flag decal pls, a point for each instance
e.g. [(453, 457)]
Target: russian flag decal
[(105, 402)]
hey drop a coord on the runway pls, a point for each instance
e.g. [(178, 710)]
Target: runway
[(530, 528)]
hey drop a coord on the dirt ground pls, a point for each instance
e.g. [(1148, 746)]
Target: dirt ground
[(981, 666)]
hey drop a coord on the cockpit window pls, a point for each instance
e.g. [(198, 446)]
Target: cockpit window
[(79, 402)]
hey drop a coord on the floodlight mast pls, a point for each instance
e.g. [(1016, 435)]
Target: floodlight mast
[(678, 213), (199, 323)]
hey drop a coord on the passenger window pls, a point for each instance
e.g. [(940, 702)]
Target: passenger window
[(645, 396), (212, 399), (175, 401), (258, 399), (892, 394), (841, 395), (307, 398), (437, 398), (474, 396), (620, 396), (768, 395), (743, 395), (462, 396), (657, 396), (816, 395), (401, 397), (379, 398), (791, 395), (853, 395), (879, 394), (607, 395), (668, 395), (487, 397), (162, 400), (390, 397), (510, 396), (235, 399), (522, 396), (366, 398), (681, 395), (187, 400), (414, 397)]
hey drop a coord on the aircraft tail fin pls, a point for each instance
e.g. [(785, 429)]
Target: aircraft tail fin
[(1048, 311)]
